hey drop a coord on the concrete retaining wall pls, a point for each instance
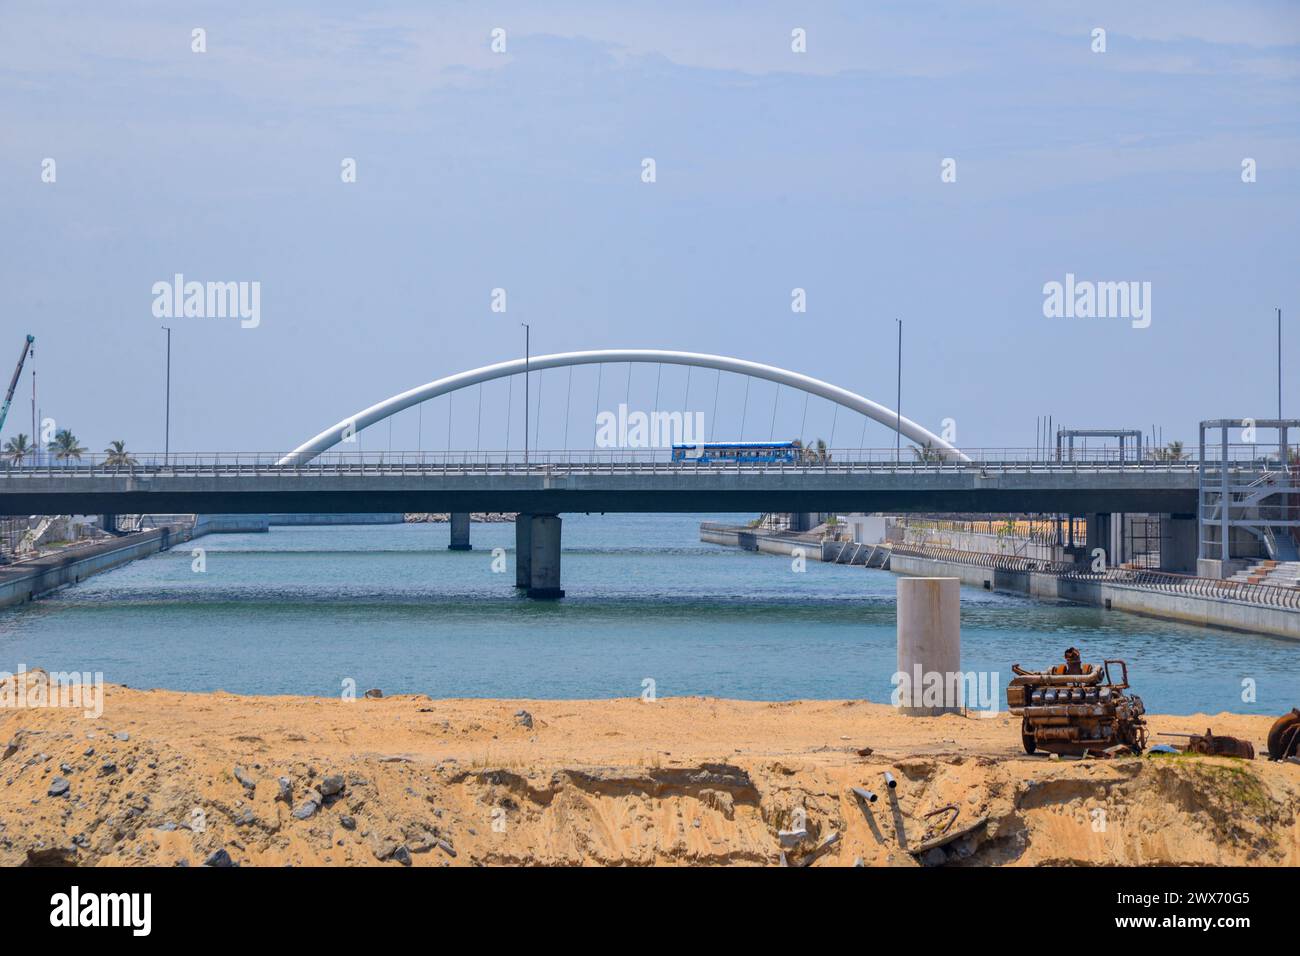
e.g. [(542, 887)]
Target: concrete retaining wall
[(229, 524), (762, 541), (383, 517), (1192, 608), (31, 579)]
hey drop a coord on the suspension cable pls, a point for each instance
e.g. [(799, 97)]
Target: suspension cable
[(600, 373), (537, 427), (567, 397), (510, 404), (717, 384), (478, 430), (744, 410), (776, 400)]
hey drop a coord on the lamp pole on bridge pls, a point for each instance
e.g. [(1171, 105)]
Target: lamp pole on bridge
[(167, 420), (898, 399), (527, 359)]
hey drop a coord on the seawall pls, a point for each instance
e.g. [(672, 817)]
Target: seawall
[(24, 582), (1204, 610), (813, 547)]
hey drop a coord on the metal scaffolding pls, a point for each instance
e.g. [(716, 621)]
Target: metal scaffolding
[(1249, 489)]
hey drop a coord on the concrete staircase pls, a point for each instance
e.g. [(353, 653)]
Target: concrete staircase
[(1275, 573)]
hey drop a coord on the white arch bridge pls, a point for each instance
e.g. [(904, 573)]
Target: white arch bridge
[(344, 430), (319, 477)]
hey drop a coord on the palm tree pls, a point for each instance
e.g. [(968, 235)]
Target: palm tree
[(65, 446), (17, 449), (1171, 452), (116, 455), (927, 452)]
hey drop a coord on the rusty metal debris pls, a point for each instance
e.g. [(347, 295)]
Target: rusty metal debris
[(1110, 753), (1284, 736), (1212, 746), (940, 832), (934, 828), (829, 841), (1075, 708)]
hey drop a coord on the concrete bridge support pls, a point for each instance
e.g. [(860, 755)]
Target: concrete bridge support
[(523, 550), (459, 532), (1178, 543), (1105, 531), (545, 563)]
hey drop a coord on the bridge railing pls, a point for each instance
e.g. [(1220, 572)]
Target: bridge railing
[(997, 562), (595, 460)]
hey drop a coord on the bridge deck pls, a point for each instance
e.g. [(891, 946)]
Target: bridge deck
[(613, 486)]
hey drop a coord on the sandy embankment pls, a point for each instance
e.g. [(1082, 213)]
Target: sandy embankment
[(679, 781)]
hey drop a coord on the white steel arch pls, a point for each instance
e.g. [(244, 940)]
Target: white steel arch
[(391, 406)]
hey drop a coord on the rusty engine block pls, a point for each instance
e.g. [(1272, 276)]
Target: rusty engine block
[(1076, 708)]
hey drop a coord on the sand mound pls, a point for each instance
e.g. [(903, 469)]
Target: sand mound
[(166, 778)]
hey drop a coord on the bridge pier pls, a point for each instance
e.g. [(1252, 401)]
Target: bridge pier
[(459, 532), (545, 558), (1105, 531), (1179, 543), (523, 550)]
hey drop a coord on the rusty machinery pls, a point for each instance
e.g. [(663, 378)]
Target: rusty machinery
[(1074, 708), (1211, 745), (1284, 736)]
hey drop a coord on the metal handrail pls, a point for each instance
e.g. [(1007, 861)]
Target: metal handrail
[(602, 461)]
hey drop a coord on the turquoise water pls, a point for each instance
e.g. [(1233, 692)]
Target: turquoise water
[(298, 610)]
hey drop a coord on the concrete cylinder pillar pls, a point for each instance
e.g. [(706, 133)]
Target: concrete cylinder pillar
[(459, 532), (546, 557), (929, 646), (523, 550)]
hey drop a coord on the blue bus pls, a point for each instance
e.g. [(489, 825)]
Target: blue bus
[(741, 451)]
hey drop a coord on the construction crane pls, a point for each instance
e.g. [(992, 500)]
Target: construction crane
[(13, 383)]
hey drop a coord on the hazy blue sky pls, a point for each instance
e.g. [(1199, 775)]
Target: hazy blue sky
[(522, 170)]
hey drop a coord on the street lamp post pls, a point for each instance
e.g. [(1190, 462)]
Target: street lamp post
[(527, 359), (167, 427), (898, 399)]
